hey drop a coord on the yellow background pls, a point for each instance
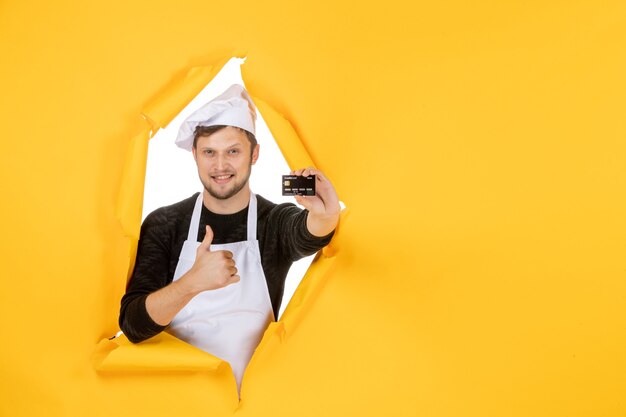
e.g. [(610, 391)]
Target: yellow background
[(479, 147)]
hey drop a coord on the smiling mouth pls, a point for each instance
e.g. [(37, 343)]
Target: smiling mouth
[(222, 179)]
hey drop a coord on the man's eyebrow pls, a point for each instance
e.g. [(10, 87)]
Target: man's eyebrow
[(236, 145)]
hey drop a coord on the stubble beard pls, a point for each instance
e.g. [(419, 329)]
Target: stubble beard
[(237, 186)]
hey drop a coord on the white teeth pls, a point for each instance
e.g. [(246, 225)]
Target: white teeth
[(222, 177)]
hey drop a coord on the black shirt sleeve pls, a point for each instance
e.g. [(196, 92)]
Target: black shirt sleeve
[(149, 275), (287, 225)]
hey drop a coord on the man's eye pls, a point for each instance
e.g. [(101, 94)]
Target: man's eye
[(208, 152), (234, 151)]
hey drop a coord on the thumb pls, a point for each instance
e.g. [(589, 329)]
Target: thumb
[(208, 238)]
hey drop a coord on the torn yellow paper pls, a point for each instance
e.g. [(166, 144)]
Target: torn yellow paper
[(162, 353)]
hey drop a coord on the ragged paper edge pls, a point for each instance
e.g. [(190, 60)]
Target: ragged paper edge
[(163, 353), (158, 113), (164, 107)]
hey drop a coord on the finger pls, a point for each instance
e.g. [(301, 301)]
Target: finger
[(233, 271), (324, 188), (310, 171), (304, 202), (329, 198), (234, 279), (208, 238), (319, 175), (227, 254)]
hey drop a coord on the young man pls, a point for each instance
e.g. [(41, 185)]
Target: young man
[(211, 269)]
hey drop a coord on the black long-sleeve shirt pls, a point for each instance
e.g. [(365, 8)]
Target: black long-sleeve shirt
[(281, 231)]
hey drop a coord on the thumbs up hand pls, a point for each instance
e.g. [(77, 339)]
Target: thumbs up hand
[(212, 269)]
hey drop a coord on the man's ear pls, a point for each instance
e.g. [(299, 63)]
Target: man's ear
[(193, 151), (255, 154)]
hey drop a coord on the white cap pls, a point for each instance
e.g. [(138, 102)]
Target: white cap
[(233, 107)]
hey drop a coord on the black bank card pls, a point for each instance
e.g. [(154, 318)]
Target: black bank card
[(298, 185)]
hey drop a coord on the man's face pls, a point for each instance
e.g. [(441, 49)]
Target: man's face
[(224, 162)]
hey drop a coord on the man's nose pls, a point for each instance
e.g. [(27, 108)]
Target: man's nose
[(220, 161)]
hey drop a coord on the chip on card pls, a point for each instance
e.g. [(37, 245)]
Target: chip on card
[(298, 185)]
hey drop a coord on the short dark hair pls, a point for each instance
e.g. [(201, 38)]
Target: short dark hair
[(209, 130)]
